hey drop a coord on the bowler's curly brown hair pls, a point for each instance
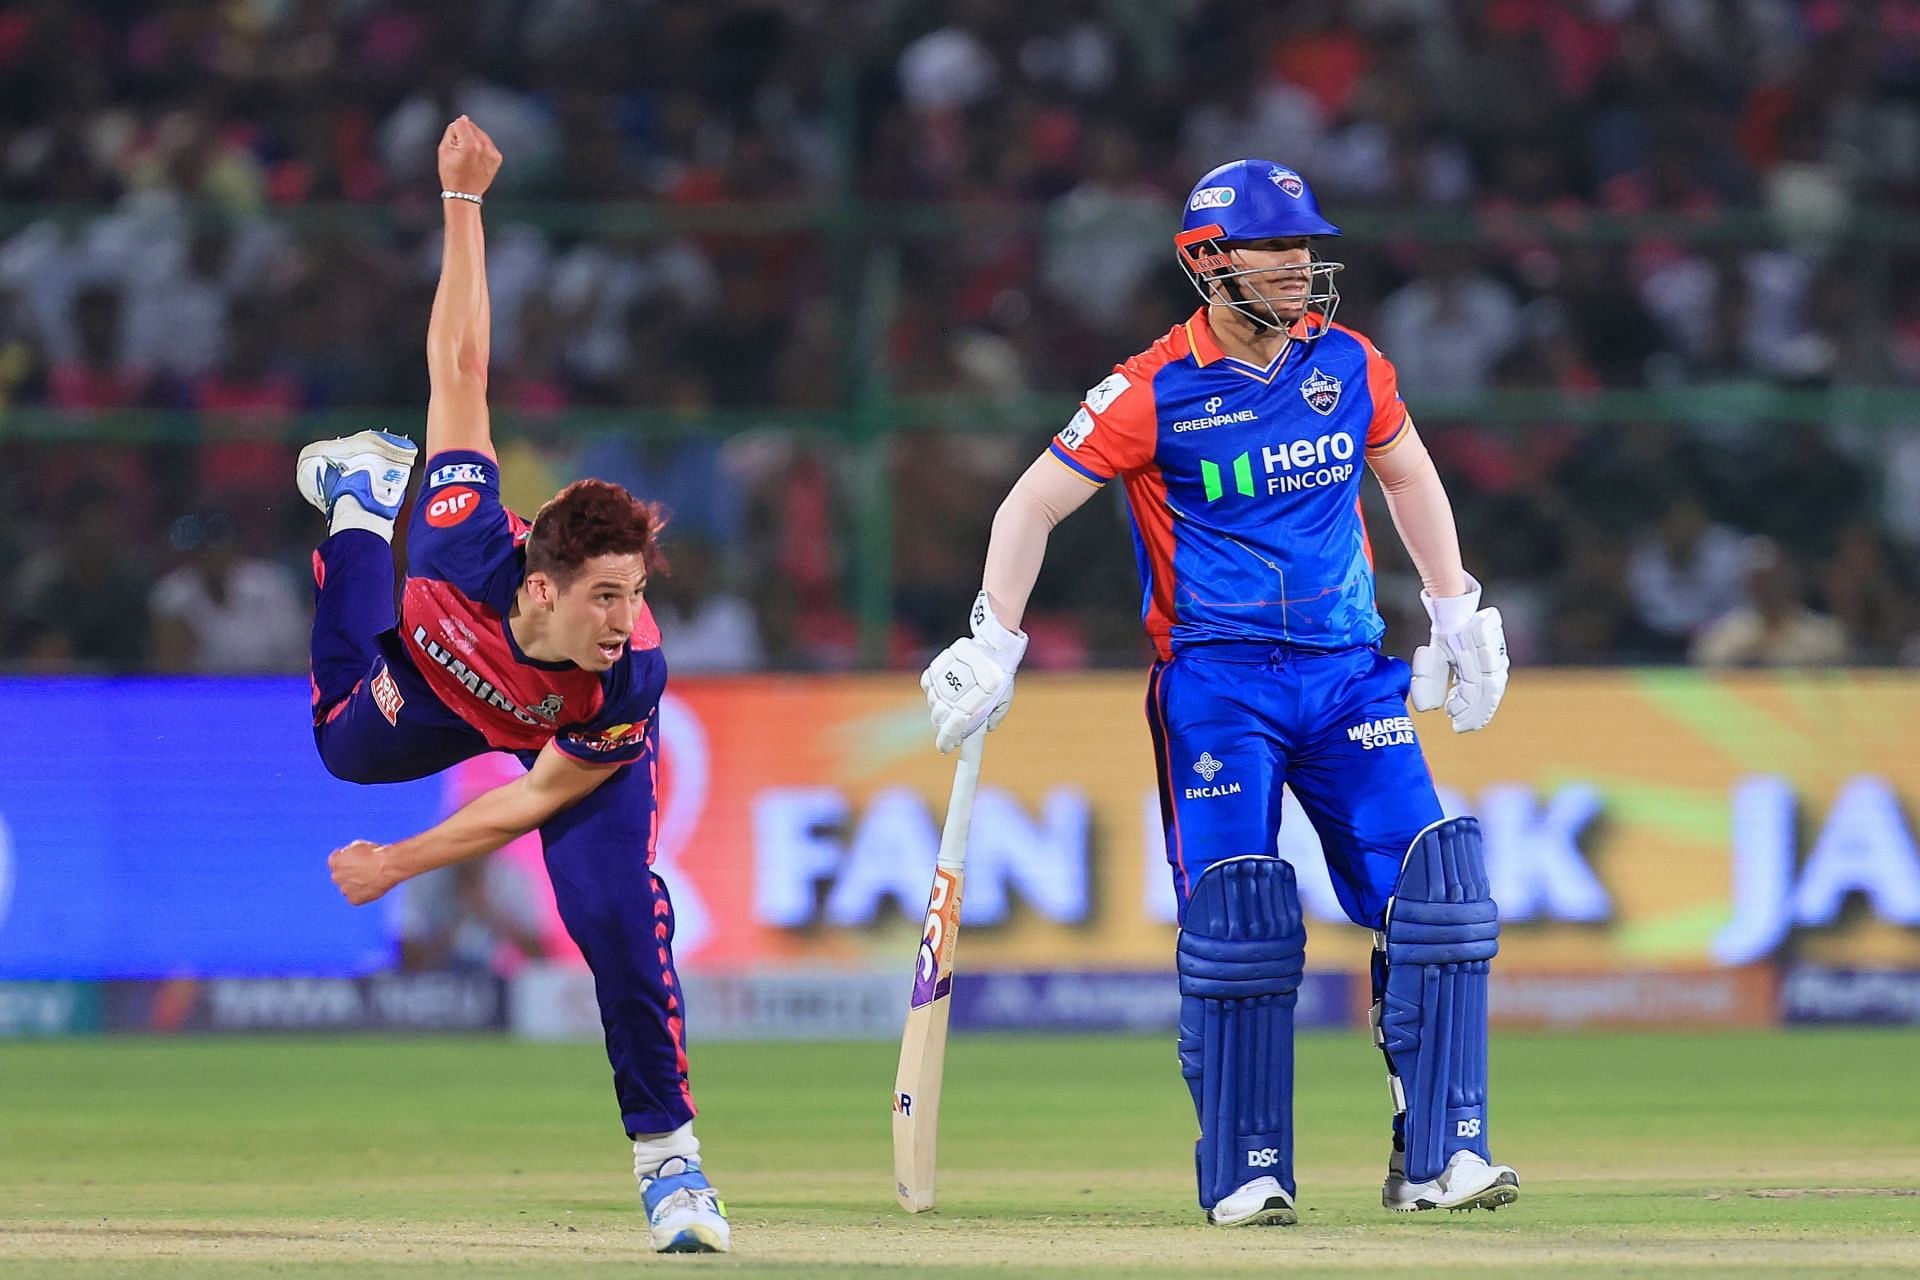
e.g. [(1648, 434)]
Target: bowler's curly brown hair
[(592, 518)]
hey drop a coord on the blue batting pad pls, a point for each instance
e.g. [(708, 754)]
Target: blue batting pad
[(1442, 929), (1241, 952)]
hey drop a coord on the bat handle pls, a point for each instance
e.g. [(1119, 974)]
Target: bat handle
[(966, 776)]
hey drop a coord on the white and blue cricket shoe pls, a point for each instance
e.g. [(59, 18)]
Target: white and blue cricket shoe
[(1468, 1182), (1262, 1202), (684, 1213), (371, 468)]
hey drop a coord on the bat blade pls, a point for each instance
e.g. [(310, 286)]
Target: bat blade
[(923, 1046), (923, 1053)]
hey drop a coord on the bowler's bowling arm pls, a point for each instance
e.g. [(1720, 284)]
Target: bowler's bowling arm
[(494, 818), (460, 337)]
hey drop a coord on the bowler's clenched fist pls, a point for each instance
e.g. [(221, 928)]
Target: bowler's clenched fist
[(360, 871), (468, 158)]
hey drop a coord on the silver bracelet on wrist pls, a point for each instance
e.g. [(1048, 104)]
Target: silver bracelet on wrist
[(461, 195)]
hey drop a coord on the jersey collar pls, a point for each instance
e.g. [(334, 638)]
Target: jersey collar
[(1205, 348), (1200, 340)]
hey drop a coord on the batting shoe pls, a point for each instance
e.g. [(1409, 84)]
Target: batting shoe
[(1260, 1203), (371, 468), (684, 1212), (1468, 1182)]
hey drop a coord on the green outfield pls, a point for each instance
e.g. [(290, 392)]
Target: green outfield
[(1736, 1154)]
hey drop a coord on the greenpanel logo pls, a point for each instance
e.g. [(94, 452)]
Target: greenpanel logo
[(1242, 477)]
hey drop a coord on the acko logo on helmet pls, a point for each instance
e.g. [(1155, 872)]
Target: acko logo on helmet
[(1211, 198)]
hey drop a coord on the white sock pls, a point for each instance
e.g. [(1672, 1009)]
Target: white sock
[(349, 514), (651, 1150)]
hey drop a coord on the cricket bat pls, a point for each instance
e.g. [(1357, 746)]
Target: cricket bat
[(923, 1049)]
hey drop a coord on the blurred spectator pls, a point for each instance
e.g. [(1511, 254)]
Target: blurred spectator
[(95, 379), (703, 625), (193, 254), (1108, 234), (490, 914), (1447, 328), (465, 916), (1686, 572), (1592, 620), (177, 311), (81, 603), (1774, 628), (223, 611), (1864, 591)]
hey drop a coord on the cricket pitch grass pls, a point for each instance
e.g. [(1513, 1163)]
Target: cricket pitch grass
[(1737, 1154)]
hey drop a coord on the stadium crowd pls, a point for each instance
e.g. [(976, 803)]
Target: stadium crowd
[(225, 208)]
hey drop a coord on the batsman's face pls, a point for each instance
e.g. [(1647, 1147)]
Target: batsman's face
[(594, 615), (1273, 271)]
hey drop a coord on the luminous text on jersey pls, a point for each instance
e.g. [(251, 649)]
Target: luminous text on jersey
[(476, 684)]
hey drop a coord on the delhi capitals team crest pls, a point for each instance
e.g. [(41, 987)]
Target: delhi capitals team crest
[(1321, 391), (1287, 180)]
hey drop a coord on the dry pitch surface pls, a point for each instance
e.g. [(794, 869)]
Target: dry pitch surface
[(1768, 1154)]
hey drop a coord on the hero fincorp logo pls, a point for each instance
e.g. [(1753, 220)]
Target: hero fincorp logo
[(1211, 198), (1300, 464), (1212, 417)]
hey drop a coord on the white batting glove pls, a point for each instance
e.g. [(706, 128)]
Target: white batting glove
[(1470, 644), (970, 683)]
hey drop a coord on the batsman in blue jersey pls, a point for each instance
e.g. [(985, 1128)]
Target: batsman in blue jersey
[(1240, 438)]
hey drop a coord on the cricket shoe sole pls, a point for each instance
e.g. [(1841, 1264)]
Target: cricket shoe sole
[(1467, 1183), (1260, 1203), (372, 467), (684, 1213)]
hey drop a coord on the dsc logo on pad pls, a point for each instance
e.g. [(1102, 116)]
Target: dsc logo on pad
[(451, 507)]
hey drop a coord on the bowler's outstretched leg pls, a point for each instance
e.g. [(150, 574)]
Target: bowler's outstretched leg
[(358, 484)]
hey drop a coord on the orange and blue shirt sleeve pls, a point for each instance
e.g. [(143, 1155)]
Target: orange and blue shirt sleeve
[(1391, 420), (1116, 429)]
